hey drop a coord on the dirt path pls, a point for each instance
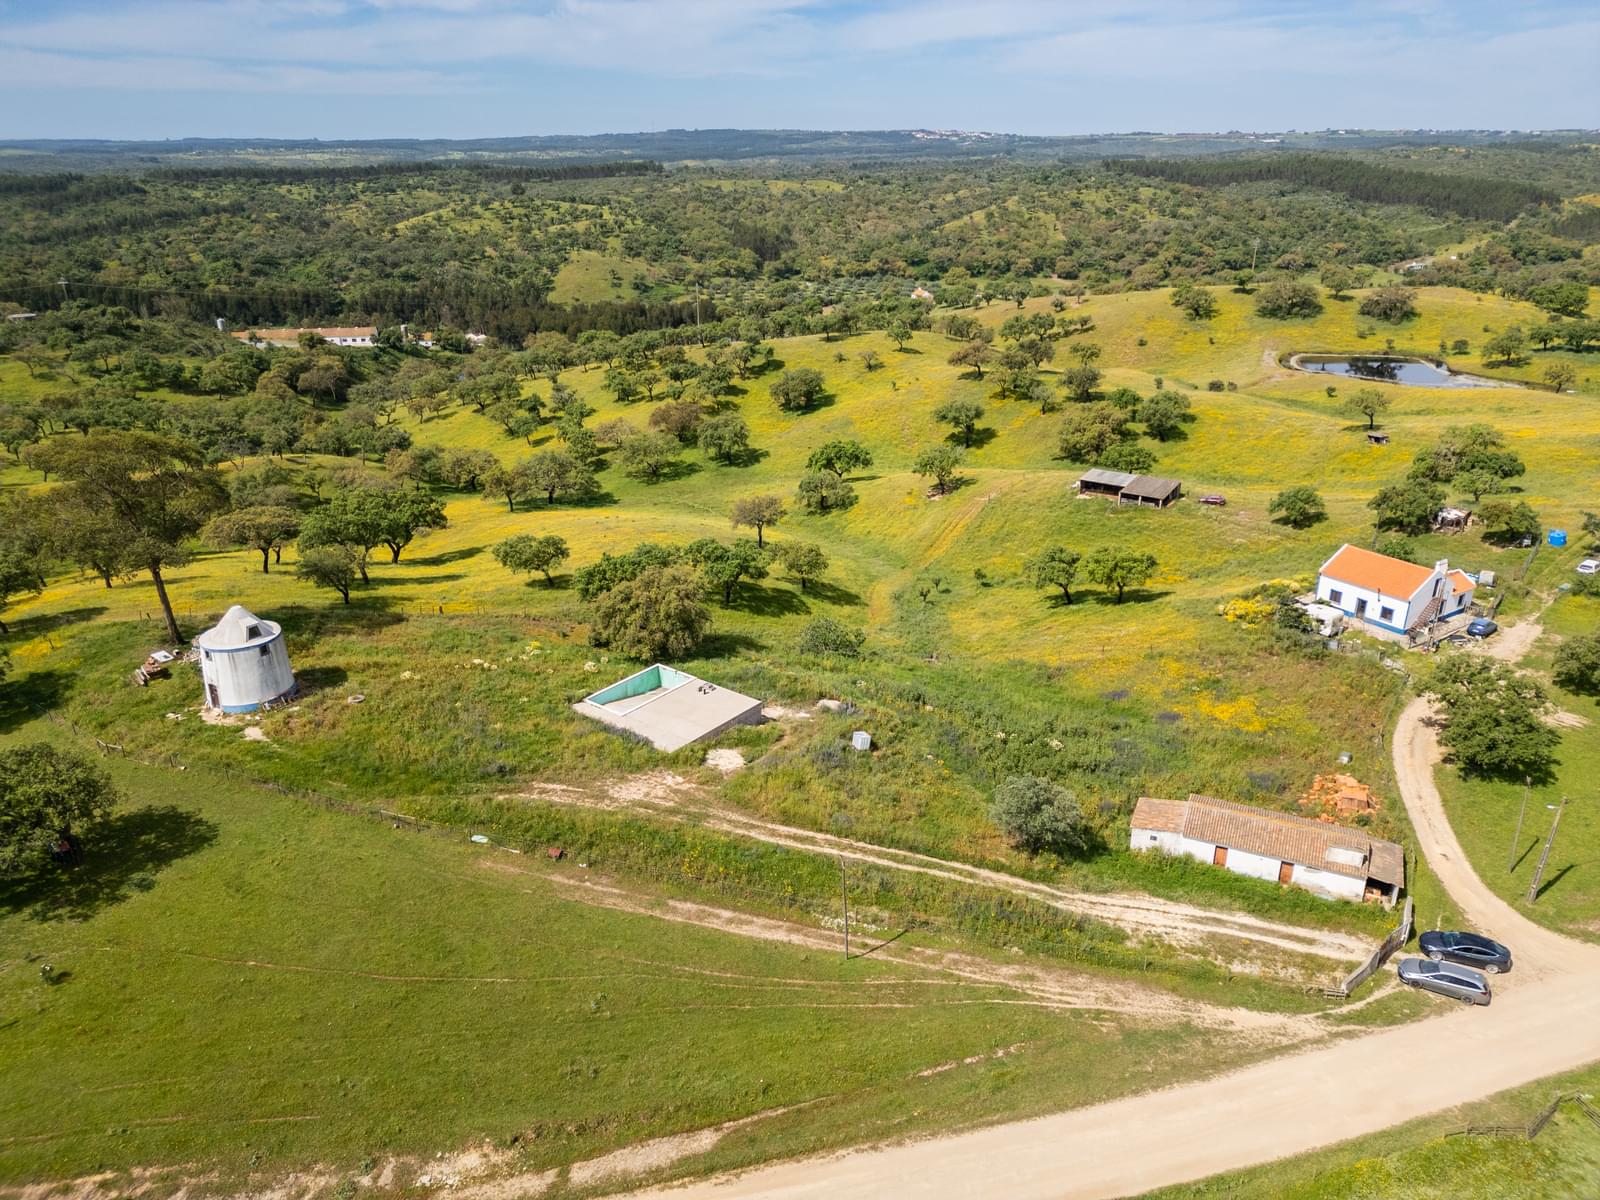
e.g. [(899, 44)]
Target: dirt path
[(664, 794), (1545, 1019), (972, 979)]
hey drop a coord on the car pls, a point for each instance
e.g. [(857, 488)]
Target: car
[(1468, 949), (1588, 566), (1445, 979), (1215, 500), (1482, 627)]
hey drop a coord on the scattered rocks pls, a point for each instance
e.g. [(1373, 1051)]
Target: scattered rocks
[(838, 706), (357, 698), (254, 733), (725, 760)]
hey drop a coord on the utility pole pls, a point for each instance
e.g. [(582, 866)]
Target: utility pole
[(1538, 874), (844, 895), (1511, 860), (64, 295)]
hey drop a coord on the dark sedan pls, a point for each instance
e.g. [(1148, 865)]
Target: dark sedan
[(1447, 979), (1468, 949)]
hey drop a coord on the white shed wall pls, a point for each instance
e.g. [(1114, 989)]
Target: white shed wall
[(1256, 866), (246, 679), (1349, 593)]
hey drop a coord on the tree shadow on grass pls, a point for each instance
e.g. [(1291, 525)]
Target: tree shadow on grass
[(1131, 596), (726, 645), (320, 679), (365, 614), (123, 855), (447, 556), (768, 602), (38, 624), (980, 438), (388, 577), (28, 695), (830, 593), (748, 457), (675, 470)]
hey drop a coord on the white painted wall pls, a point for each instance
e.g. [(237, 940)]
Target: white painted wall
[(1349, 593), (246, 679), (1242, 862)]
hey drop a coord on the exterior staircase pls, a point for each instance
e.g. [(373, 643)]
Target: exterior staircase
[(1429, 614)]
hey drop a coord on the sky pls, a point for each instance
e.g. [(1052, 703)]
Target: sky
[(487, 68)]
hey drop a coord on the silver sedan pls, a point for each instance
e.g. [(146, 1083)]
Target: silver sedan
[(1445, 978)]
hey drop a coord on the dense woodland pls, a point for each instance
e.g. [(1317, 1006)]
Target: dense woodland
[(483, 246)]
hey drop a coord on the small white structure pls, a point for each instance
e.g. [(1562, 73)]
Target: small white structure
[(1331, 860), (1391, 593), (669, 708), (243, 662), (341, 335)]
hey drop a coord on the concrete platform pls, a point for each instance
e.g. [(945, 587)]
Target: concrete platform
[(669, 708)]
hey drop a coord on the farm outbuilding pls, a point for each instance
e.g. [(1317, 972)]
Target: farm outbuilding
[(1097, 481), (669, 708), (1129, 489), (1331, 860), (1151, 490), (244, 664)]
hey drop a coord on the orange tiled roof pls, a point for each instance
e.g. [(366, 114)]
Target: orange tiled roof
[(1272, 834), (1378, 572), (1459, 581)]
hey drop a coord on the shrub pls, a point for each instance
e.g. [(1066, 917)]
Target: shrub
[(1286, 299), (824, 636), (657, 615), (1298, 507), (1036, 815), (1389, 304)]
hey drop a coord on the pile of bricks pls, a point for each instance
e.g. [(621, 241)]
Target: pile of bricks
[(1339, 797)]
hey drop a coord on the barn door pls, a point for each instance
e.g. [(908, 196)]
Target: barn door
[(216, 700), (1285, 870), (1219, 857)]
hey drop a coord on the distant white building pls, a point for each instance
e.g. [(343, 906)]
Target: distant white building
[(1391, 593), (1331, 860), (243, 662), (338, 335)]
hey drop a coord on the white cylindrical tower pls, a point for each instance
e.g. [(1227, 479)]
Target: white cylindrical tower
[(243, 662)]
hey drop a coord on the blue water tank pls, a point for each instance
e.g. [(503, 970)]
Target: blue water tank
[(1558, 537)]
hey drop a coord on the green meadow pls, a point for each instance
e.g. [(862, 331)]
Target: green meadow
[(486, 1005)]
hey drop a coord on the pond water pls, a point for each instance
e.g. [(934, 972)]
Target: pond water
[(1414, 372)]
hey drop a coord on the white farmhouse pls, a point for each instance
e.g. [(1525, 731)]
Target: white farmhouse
[(1331, 860), (1391, 593), (243, 662)]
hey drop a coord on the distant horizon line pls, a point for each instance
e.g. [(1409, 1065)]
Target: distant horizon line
[(930, 131)]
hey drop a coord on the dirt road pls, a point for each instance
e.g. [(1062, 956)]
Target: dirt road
[(1545, 1019), (663, 794)]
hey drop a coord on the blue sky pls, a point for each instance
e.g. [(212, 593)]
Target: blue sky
[(475, 68)]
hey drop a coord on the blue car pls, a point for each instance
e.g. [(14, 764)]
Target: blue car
[(1482, 628)]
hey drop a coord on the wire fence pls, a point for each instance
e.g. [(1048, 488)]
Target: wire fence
[(1579, 1100)]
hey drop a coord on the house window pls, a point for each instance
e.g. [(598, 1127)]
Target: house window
[(252, 631), (265, 651), (1386, 614), (207, 655), (1335, 596)]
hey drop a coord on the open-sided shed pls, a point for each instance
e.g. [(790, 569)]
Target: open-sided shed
[(1097, 481), (669, 708), (1151, 490)]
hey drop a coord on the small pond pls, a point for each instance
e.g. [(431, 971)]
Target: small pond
[(1382, 368)]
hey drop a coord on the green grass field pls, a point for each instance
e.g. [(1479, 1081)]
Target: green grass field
[(251, 982), (1485, 812), (1429, 1160), (530, 1017)]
